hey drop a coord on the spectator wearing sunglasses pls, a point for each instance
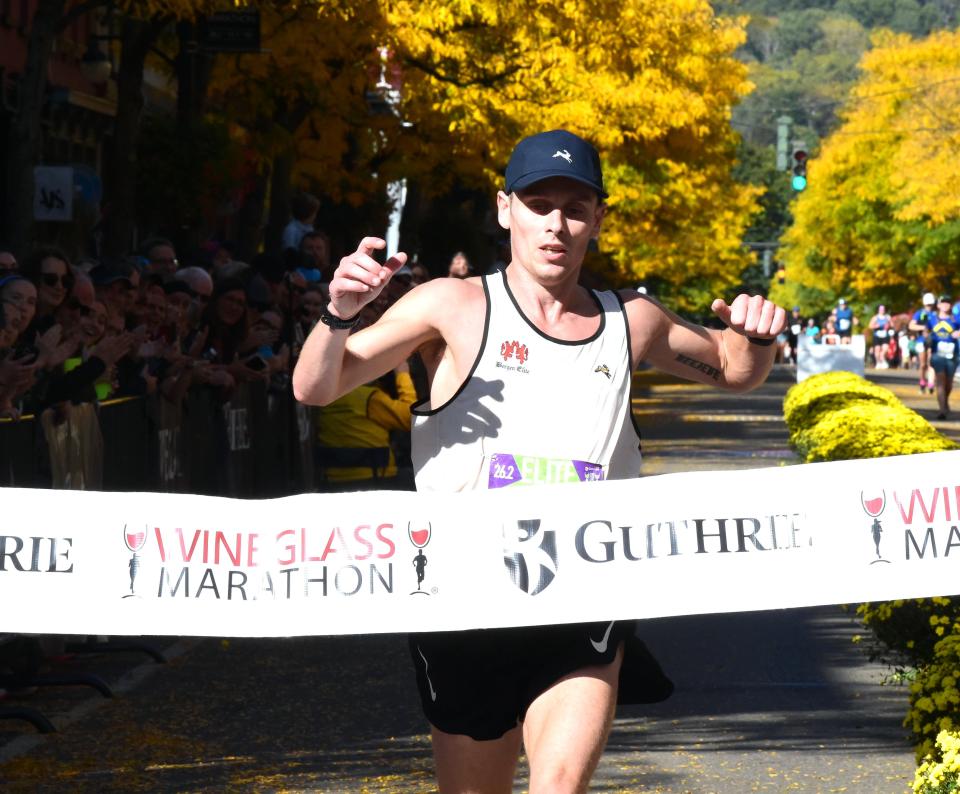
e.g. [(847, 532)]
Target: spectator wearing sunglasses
[(161, 257), (49, 269), (68, 315)]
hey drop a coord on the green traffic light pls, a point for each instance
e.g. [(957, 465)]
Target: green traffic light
[(799, 183)]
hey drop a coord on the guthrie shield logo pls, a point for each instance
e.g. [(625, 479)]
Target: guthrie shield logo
[(530, 555)]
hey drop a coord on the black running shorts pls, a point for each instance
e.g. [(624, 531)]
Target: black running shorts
[(480, 683)]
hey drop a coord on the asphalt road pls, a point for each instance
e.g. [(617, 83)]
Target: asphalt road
[(766, 701)]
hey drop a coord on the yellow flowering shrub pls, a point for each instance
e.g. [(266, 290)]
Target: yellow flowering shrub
[(935, 700), (865, 429), (940, 777), (841, 416), (907, 630), (808, 401)]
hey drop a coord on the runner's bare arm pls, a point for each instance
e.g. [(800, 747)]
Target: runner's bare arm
[(333, 362), (722, 358)]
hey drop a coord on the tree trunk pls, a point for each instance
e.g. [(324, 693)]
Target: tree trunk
[(281, 175), (194, 67), (249, 219), (23, 144), (120, 167), (278, 215)]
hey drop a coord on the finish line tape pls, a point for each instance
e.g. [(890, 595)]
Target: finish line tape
[(74, 562)]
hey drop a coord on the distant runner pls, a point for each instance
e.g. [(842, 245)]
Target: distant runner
[(919, 325), (944, 331)]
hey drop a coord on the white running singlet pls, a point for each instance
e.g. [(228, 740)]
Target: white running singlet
[(533, 409)]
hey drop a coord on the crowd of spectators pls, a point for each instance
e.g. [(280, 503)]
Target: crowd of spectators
[(80, 330)]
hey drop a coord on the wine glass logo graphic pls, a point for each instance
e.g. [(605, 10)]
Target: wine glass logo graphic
[(134, 540), (874, 506), (419, 535)]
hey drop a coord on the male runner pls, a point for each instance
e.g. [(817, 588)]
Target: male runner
[(845, 321), (942, 336), (919, 324), (794, 332), (526, 362)]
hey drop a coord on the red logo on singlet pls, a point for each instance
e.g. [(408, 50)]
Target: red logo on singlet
[(515, 350)]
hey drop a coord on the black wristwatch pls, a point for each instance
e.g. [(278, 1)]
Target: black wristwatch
[(756, 340), (337, 323)]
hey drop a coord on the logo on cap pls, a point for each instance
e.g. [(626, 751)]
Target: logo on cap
[(565, 155)]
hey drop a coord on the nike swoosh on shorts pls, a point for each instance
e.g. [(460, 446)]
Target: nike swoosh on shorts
[(599, 647), (426, 671)]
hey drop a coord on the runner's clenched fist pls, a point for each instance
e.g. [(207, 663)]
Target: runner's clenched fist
[(359, 278), (752, 316)]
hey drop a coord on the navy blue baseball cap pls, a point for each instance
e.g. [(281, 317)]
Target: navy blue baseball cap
[(554, 153)]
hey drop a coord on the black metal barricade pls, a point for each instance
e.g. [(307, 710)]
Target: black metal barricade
[(258, 444), (24, 459)]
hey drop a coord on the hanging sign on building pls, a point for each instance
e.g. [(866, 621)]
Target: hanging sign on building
[(52, 193), (237, 30)]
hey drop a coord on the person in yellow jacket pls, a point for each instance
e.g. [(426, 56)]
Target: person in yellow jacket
[(353, 437)]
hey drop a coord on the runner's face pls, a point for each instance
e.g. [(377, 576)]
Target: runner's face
[(551, 223)]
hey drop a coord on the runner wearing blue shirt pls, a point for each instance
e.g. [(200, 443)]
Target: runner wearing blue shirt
[(942, 339), (918, 324), (845, 321)]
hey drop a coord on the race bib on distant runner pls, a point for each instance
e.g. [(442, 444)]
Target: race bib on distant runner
[(843, 324), (795, 329), (532, 470), (946, 348)]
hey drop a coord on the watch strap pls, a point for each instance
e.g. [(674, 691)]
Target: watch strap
[(338, 323)]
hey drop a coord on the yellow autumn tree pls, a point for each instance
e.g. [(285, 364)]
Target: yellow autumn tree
[(881, 215), (650, 82), (305, 94)]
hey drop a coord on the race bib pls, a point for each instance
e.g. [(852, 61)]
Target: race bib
[(796, 329), (532, 470), (946, 348), (843, 324)]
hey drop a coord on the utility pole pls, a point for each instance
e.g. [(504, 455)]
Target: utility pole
[(783, 138)]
